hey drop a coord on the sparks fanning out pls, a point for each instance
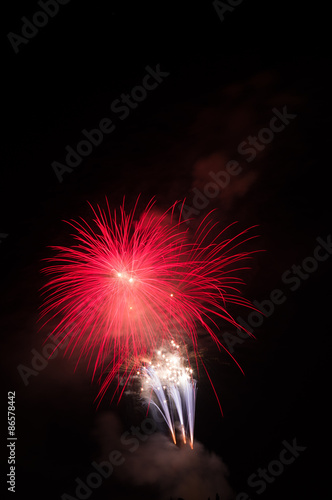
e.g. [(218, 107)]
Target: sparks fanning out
[(129, 283), (169, 387)]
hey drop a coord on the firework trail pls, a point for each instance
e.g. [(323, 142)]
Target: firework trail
[(162, 404), (129, 283), (189, 395), (168, 386), (176, 397)]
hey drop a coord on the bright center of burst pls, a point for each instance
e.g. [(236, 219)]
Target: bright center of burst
[(125, 277)]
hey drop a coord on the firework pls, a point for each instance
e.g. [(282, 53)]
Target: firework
[(128, 284), (168, 385)]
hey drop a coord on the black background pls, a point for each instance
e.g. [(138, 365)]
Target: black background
[(263, 55)]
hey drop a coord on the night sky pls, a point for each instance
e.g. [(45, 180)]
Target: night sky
[(218, 78)]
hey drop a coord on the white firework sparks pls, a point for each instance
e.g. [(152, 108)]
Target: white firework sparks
[(169, 386)]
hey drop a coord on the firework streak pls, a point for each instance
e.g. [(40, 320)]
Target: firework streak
[(169, 387), (129, 284)]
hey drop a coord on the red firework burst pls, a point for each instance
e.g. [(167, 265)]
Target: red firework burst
[(128, 284)]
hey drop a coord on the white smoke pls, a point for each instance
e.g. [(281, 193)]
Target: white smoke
[(180, 472), (176, 472)]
